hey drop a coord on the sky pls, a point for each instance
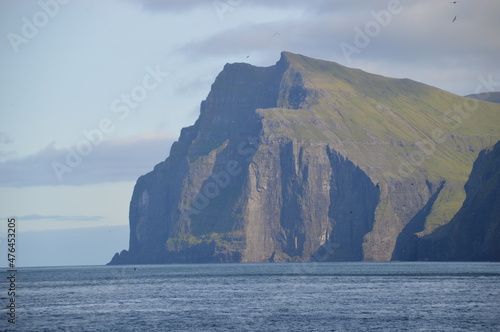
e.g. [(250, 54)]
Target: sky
[(93, 93)]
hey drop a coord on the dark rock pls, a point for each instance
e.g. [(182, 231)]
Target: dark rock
[(474, 232)]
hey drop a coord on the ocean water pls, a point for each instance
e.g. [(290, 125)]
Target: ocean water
[(258, 297)]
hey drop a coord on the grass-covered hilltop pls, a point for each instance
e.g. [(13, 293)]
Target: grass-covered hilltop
[(309, 160)]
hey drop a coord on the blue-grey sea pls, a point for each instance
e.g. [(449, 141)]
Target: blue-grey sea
[(258, 297)]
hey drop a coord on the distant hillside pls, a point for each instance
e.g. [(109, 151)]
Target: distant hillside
[(493, 97), (309, 160)]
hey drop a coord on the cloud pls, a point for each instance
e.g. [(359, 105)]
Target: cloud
[(187, 5), (174, 6), (420, 41), (254, 38), (7, 154), (404, 37), (59, 217), (5, 139), (115, 160)]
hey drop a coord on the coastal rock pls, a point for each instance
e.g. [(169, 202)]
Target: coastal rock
[(308, 160), (474, 232)]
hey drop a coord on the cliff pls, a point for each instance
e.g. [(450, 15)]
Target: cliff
[(474, 232), (308, 160)]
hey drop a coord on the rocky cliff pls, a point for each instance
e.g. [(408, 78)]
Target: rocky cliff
[(474, 232), (308, 160)]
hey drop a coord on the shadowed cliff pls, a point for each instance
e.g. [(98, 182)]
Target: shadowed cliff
[(474, 232)]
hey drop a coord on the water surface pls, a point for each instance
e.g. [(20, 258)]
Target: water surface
[(260, 297)]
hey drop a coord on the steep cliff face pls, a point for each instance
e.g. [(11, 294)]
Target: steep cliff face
[(308, 160), (474, 232)]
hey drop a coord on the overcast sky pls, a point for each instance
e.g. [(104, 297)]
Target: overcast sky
[(93, 93)]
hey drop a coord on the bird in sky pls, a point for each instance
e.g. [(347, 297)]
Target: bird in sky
[(454, 19), (454, 2), (276, 34)]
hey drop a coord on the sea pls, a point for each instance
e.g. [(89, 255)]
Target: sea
[(396, 296)]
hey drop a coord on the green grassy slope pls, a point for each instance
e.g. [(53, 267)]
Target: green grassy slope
[(392, 128)]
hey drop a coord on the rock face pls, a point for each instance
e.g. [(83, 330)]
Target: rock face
[(474, 232), (308, 160)]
